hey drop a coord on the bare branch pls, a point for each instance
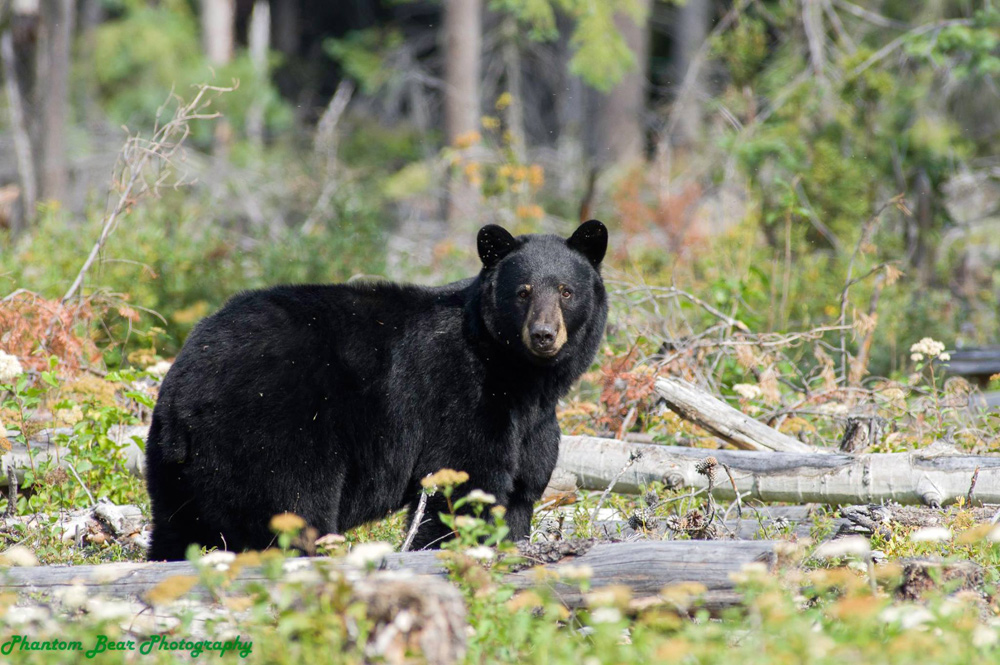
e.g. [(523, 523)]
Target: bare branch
[(137, 155)]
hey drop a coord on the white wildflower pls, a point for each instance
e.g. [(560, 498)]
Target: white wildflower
[(908, 616), (102, 609), (606, 615), (748, 572), (72, 597), (296, 565), (931, 534), (984, 636), (69, 417), (841, 547), (159, 369), (928, 347), (916, 357), (479, 496), (18, 555), (747, 390), (994, 535), (20, 616), (368, 554), (581, 572), (944, 357), (3, 432), (466, 522), (10, 367), (219, 559), (482, 553)]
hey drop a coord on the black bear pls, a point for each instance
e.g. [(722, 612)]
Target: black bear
[(334, 401)]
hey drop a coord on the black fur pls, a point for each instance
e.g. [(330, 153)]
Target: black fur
[(333, 401)]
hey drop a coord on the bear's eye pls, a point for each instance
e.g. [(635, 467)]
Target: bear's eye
[(524, 292), (565, 292)]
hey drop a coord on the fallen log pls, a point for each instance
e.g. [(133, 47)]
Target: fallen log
[(411, 616), (919, 477), (645, 567), (763, 523), (722, 420)]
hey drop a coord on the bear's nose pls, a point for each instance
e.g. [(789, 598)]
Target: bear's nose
[(543, 336)]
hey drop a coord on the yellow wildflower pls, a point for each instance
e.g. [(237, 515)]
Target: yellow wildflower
[(467, 139), (444, 478), (286, 522)]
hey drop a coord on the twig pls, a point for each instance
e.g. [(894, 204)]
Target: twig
[(972, 487), (77, 476), (136, 155), (11, 491), (899, 41), (839, 28), (812, 24), (697, 62), (674, 291), (868, 15), (866, 230), (739, 505), (632, 459), (814, 219), (418, 515), (326, 142)]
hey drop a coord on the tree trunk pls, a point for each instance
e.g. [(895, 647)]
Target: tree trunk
[(91, 16), (907, 478), (572, 118), (693, 20), (19, 129), (620, 128), (218, 26), (285, 26), (722, 420), (218, 21), (463, 35), (514, 112), (56, 26), (258, 40), (463, 50)]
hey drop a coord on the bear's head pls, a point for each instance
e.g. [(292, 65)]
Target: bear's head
[(542, 295)]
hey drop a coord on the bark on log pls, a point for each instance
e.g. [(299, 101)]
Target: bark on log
[(645, 567), (722, 420), (907, 478)]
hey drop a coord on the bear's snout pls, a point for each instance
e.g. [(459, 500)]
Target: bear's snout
[(543, 337), (544, 332)]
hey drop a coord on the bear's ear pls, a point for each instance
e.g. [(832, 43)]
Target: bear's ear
[(494, 243), (591, 240)]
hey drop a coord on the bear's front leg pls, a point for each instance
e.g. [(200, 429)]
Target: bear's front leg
[(539, 452)]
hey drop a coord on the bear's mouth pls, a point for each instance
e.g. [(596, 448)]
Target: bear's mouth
[(545, 352)]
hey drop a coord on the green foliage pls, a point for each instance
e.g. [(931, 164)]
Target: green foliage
[(601, 57), (97, 461), (153, 48), (967, 50), (176, 258), (363, 54)]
